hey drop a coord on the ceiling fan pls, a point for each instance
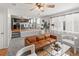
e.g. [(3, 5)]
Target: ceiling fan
[(42, 6)]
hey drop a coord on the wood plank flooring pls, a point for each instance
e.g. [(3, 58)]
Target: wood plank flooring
[(3, 52), (69, 52)]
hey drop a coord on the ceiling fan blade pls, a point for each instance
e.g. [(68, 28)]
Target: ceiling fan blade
[(50, 6)]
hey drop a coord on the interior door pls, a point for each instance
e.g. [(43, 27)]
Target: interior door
[(1, 31)]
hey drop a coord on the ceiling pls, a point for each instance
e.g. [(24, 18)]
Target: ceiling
[(24, 8)]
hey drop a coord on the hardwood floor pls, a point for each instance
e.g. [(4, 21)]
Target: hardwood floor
[(70, 52), (3, 52), (42, 53)]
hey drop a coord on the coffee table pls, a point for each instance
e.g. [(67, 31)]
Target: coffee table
[(64, 48)]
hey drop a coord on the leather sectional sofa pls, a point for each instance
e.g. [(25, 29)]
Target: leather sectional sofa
[(40, 41)]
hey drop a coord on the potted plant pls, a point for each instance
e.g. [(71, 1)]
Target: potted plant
[(56, 47), (45, 26)]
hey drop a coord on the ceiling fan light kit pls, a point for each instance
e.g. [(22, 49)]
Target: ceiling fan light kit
[(41, 6)]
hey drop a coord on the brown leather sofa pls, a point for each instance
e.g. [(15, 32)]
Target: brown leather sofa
[(40, 41)]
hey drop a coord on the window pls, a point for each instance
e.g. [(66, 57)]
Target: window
[(38, 21)]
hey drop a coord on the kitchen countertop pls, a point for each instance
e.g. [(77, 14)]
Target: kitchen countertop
[(18, 30)]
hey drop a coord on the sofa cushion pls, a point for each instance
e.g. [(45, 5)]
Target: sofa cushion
[(51, 40), (44, 43), (31, 39), (41, 44), (41, 37)]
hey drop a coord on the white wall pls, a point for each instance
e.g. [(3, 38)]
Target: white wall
[(9, 32), (19, 12), (76, 22)]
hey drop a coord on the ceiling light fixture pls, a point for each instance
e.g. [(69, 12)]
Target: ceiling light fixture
[(42, 6)]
